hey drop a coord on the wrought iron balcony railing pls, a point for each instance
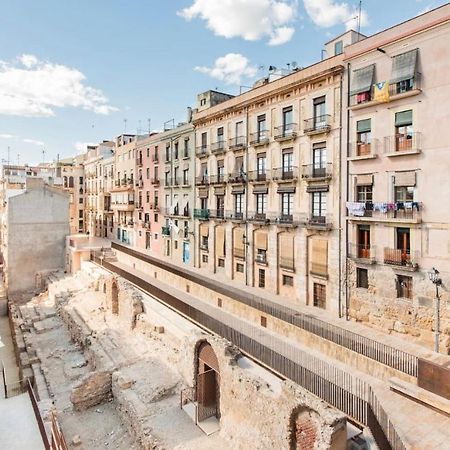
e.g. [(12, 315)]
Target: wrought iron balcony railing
[(259, 138), (402, 143), (237, 142), (314, 171), (285, 173), (286, 131), (318, 124)]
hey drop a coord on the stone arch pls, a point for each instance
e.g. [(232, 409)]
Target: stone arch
[(65, 181), (303, 428), (207, 381), (114, 298)]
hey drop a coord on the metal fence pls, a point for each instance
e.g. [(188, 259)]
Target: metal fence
[(382, 353), (345, 392)]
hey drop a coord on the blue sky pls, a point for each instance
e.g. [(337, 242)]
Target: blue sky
[(72, 71)]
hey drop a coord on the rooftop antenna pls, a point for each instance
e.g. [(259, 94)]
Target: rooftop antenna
[(359, 18), (289, 66), (18, 159), (125, 125), (43, 156), (149, 121), (9, 154)]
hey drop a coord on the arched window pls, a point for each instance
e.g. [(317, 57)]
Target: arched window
[(71, 182)]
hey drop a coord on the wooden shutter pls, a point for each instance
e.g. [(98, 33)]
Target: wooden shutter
[(238, 242), (405, 178), (261, 240), (319, 257), (204, 230), (220, 242), (286, 242), (364, 180)]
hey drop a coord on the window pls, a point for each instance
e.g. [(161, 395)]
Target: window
[(239, 204), (220, 171), (404, 286), (364, 193), (167, 152), (363, 241), (175, 244), (240, 268), (167, 179), (221, 262), (338, 48), (261, 278), (176, 150), (205, 258), (220, 138), (403, 131), (287, 164), (319, 108), (148, 152), (155, 218), (264, 321), (80, 214), (148, 173), (363, 137), (81, 180), (319, 295), (288, 280), (319, 160), (261, 167), (261, 256), (186, 148), (261, 203), (239, 127), (403, 193), (287, 119), (362, 278), (220, 202), (319, 204), (404, 71), (261, 127), (204, 243), (403, 237), (186, 177), (219, 302), (204, 140), (175, 176), (287, 204)]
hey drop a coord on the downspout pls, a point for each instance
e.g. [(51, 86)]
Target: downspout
[(246, 243), (340, 197), (347, 193), (194, 234)]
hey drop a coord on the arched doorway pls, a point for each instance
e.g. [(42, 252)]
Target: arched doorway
[(208, 382), (114, 298)]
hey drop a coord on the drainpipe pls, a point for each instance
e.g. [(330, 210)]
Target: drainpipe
[(347, 192), (340, 198), (246, 243), (194, 234)]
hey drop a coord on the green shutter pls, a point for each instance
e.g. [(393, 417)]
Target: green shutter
[(363, 126), (403, 118)]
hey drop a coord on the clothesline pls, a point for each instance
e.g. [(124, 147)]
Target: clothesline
[(359, 208)]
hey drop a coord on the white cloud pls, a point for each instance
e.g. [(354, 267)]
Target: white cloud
[(327, 13), (33, 141), (230, 68), (82, 146), (33, 88), (6, 136), (251, 20)]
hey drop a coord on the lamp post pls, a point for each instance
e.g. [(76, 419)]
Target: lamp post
[(433, 275)]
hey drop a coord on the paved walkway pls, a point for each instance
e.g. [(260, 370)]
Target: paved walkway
[(418, 425), (7, 357), (18, 427)]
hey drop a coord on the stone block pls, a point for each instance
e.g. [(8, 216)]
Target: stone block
[(94, 388)]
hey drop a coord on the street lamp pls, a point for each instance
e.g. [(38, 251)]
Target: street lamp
[(433, 275)]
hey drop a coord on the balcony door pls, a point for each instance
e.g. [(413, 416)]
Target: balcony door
[(319, 160), (287, 120), (287, 165), (364, 241), (319, 112), (403, 244)]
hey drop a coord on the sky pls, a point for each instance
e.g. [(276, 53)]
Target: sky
[(78, 72)]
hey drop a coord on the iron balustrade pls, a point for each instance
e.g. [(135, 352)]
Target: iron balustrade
[(406, 211), (201, 150), (285, 173), (286, 131), (346, 392), (318, 124), (218, 178), (364, 149), (202, 180), (255, 176), (362, 252), (155, 180), (201, 214), (404, 86), (217, 213), (218, 147), (402, 143), (315, 171), (237, 142), (401, 257), (259, 138)]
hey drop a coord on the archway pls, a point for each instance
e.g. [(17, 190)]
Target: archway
[(114, 298), (207, 382)]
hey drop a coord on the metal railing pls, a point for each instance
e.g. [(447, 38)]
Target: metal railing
[(320, 222), (202, 180), (364, 149), (285, 173), (155, 157), (218, 147), (402, 143), (285, 131), (314, 171), (234, 215), (318, 124), (259, 138), (155, 180), (165, 231), (217, 213), (237, 142), (237, 177), (365, 252), (340, 389), (218, 178), (386, 210), (255, 176), (372, 349), (201, 150), (401, 257), (404, 86), (201, 214), (261, 258)]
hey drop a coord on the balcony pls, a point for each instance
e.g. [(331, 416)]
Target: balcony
[(218, 147), (255, 176), (261, 218), (217, 179), (139, 161), (237, 143), (155, 157), (129, 206), (259, 138), (204, 247), (318, 124), (201, 214), (202, 180), (236, 178), (403, 258), (362, 253), (282, 174), (402, 144), (139, 183), (319, 222), (201, 151), (313, 172), (363, 150), (155, 181), (406, 212), (165, 231), (285, 132), (218, 214), (261, 258), (176, 211), (235, 216), (154, 206)]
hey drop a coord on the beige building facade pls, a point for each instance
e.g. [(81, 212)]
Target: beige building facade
[(267, 186), (398, 227)]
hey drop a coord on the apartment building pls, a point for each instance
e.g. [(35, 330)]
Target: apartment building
[(177, 179), (108, 183), (71, 170), (148, 200), (267, 185), (123, 193), (94, 187), (397, 184)]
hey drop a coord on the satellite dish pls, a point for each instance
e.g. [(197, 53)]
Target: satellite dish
[(294, 64), (272, 68)]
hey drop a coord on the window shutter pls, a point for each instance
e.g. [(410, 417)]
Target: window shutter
[(238, 164), (405, 178), (404, 66), (363, 126), (319, 260), (364, 180), (261, 240), (203, 193), (362, 79), (403, 118), (204, 230), (286, 242), (238, 242), (220, 242)]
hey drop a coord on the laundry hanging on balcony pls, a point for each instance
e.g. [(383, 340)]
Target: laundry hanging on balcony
[(356, 208)]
